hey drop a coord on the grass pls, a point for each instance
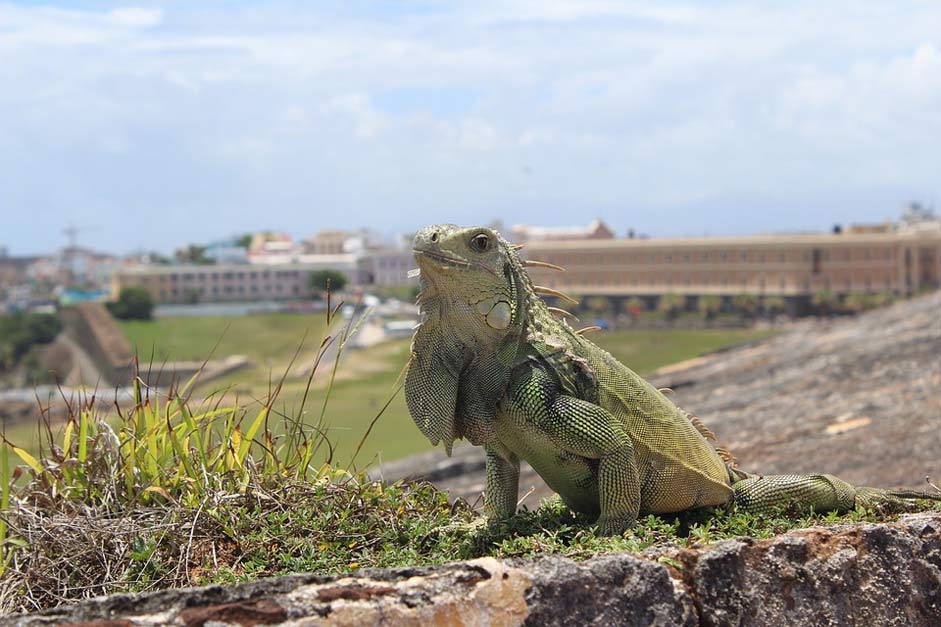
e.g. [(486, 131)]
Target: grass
[(261, 337), (646, 350), (366, 378)]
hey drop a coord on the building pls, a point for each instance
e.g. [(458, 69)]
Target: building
[(230, 282), (901, 260), (226, 251), (15, 270), (388, 267), (522, 233), (273, 248)]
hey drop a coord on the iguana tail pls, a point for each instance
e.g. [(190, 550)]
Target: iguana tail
[(768, 493)]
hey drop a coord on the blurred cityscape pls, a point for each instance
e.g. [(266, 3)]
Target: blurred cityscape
[(67, 318), (272, 270)]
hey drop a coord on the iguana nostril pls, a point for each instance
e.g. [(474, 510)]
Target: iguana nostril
[(434, 236)]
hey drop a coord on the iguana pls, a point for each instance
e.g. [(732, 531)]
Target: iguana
[(492, 363)]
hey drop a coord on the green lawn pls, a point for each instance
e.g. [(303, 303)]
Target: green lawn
[(367, 377), (258, 336), (646, 350)]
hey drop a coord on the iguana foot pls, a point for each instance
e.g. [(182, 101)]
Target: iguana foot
[(613, 525)]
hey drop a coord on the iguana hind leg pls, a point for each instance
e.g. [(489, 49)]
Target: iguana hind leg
[(765, 494)]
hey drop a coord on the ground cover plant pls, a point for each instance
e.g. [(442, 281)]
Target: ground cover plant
[(172, 491)]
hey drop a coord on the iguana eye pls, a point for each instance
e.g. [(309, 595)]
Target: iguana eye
[(480, 242)]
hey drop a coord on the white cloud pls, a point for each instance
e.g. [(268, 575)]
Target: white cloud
[(135, 17), (604, 105)]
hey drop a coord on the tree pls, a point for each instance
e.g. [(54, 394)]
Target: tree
[(319, 281), (883, 299), (671, 305), (21, 332), (244, 241), (775, 305), (134, 303), (598, 305), (746, 304), (860, 301), (635, 306), (709, 306), (824, 302), (194, 253)]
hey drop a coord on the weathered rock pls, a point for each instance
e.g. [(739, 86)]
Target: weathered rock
[(865, 574)]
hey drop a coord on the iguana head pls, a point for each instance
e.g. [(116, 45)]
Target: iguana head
[(472, 321), (476, 271), (479, 309)]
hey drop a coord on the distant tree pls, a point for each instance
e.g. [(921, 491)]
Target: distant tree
[(635, 306), (775, 305), (195, 254), (21, 332), (883, 299), (746, 304), (133, 303), (860, 301), (598, 305), (709, 306), (156, 258), (824, 302), (671, 305), (320, 280), (244, 241)]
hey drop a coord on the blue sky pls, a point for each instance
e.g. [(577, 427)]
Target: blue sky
[(158, 123)]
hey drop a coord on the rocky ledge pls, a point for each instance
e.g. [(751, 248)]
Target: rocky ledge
[(864, 574)]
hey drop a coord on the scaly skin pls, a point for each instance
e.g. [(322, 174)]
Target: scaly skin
[(492, 364)]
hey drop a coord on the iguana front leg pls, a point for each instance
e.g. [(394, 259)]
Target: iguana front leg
[(502, 488), (581, 428)]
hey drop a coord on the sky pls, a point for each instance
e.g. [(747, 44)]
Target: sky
[(155, 124)]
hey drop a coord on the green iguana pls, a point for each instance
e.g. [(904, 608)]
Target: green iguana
[(492, 363)]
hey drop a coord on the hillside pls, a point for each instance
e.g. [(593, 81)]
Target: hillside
[(856, 397)]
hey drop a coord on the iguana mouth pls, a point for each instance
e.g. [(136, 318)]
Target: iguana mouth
[(452, 260), (442, 258)]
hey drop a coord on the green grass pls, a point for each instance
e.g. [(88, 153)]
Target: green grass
[(366, 378), (260, 337), (646, 350)]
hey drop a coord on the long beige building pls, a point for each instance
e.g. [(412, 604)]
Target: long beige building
[(900, 261), (230, 282)]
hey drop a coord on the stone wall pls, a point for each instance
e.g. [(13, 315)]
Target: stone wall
[(93, 328), (866, 574)]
